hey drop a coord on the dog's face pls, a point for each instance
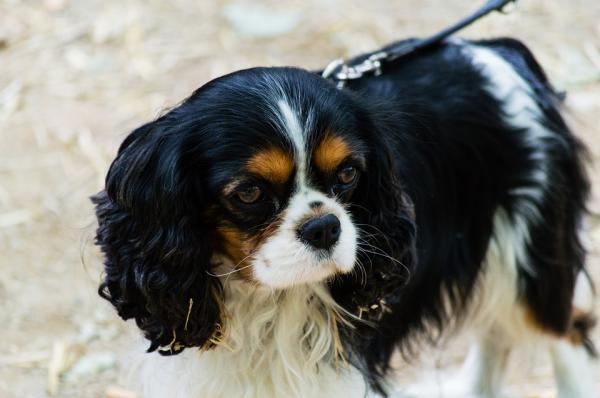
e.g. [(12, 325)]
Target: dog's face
[(265, 175), (282, 199)]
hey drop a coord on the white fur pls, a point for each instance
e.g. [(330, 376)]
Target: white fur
[(296, 134), (497, 320), (495, 310), (572, 364), (283, 260), (573, 371), (276, 344), (281, 343), (495, 304), (522, 113), (497, 323), (584, 298)]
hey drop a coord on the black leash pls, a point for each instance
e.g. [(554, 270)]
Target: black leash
[(340, 71)]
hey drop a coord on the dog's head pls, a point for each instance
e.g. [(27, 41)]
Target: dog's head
[(270, 175)]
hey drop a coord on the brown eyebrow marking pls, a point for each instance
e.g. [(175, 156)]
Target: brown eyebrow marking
[(330, 152), (272, 164)]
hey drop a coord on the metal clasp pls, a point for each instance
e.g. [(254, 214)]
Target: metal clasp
[(332, 67), (340, 71)]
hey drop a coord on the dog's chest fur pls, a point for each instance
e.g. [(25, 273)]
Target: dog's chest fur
[(277, 343)]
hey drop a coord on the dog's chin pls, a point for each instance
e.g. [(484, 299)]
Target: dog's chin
[(267, 272)]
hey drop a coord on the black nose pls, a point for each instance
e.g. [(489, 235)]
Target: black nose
[(322, 232)]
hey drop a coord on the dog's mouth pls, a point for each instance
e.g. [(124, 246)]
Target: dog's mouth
[(308, 251), (292, 273)]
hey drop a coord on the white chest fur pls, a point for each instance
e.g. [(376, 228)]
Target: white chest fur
[(276, 344)]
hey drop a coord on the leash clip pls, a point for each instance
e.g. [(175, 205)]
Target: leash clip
[(341, 72)]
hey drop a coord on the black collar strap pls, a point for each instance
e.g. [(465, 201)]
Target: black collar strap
[(341, 71)]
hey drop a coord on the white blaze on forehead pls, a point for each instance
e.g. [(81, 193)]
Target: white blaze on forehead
[(295, 133), (283, 260)]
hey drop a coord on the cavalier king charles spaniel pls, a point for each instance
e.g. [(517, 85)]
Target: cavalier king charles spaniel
[(277, 236)]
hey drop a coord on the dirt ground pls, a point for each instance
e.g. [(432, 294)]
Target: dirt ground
[(76, 76)]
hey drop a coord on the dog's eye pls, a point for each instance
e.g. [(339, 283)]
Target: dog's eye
[(249, 194), (347, 175)]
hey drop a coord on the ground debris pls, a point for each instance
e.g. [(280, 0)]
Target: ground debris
[(77, 76), (260, 22), (118, 392), (64, 355)]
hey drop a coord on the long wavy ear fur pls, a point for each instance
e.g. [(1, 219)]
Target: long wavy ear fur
[(156, 246), (387, 254), (385, 218)]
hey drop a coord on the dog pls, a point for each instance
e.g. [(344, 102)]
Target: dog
[(276, 236)]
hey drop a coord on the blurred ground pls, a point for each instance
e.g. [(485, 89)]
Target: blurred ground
[(76, 76)]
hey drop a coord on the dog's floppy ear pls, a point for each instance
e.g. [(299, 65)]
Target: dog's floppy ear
[(156, 245), (385, 217)]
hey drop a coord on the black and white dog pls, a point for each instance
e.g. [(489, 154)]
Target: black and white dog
[(276, 236)]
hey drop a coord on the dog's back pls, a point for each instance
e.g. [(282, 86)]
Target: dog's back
[(499, 191)]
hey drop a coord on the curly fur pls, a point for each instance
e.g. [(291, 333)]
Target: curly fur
[(470, 181), (154, 242)]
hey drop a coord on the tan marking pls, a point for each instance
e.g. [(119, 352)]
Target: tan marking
[(577, 333), (273, 165), (581, 324), (240, 247), (332, 150)]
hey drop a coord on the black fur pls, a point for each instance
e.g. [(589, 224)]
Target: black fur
[(154, 240), (459, 161), (441, 161)]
